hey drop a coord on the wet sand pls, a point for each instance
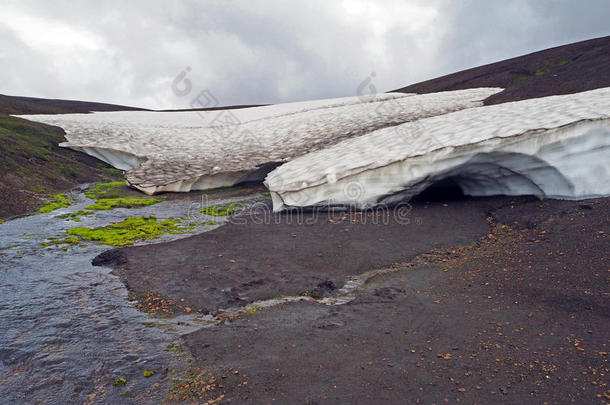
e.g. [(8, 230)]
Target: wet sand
[(515, 312)]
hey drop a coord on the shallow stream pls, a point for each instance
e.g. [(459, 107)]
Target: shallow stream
[(67, 328)]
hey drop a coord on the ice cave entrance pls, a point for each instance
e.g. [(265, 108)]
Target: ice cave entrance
[(497, 173), (446, 189)]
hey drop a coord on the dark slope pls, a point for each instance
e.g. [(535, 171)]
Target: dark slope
[(561, 70), (31, 105), (34, 167)]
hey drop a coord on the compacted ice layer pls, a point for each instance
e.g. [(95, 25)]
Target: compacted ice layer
[(555, 146), (183, 151)]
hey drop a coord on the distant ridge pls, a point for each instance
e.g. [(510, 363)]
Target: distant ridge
[(565, 69), (226, 107), (32, 105)]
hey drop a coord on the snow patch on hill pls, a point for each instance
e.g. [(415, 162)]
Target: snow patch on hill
[(183, 151)]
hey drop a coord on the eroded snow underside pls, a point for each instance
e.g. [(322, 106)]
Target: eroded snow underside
[(554, 146), (183, 151)]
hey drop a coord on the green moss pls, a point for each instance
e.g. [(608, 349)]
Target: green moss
[(38, 167), (68, 171), (553, 65), (193, 386), (172, 347), (210, 223), (130, 230), (124, 233), (117, 195), (73, 240), (40, 189), (107, 190), (221, 210), (521, 79), (58, 201), (74, 216), (148, 373), (111, 203), (110, 171), (119, 382), (178, 351), (253, 309), (541, 71)]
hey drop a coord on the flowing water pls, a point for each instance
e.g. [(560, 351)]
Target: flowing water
[(67, 329)]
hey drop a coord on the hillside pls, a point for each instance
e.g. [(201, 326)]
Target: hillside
[(564, 69), (34, 167), (31, 105)]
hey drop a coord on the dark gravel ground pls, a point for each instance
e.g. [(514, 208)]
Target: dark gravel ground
[(257, 258), (516, 312)]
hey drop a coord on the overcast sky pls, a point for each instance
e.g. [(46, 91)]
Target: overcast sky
[(267, 51)]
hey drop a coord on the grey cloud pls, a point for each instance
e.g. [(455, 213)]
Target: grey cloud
[(269, 51)]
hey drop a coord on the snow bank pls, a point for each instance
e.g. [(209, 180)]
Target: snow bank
[(554, 146), (183, 151)]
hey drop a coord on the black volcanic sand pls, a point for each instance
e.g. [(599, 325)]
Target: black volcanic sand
[(256, 258), (519, 316), (564, 69)]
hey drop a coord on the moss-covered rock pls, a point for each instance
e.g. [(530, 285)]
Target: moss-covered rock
[(221, 210), (111, 203), (51, 241), (58, 201), (113, 189), (74, 216), (131, 230)]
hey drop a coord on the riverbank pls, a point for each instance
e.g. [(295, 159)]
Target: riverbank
[(518, 312), (70, 331)]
